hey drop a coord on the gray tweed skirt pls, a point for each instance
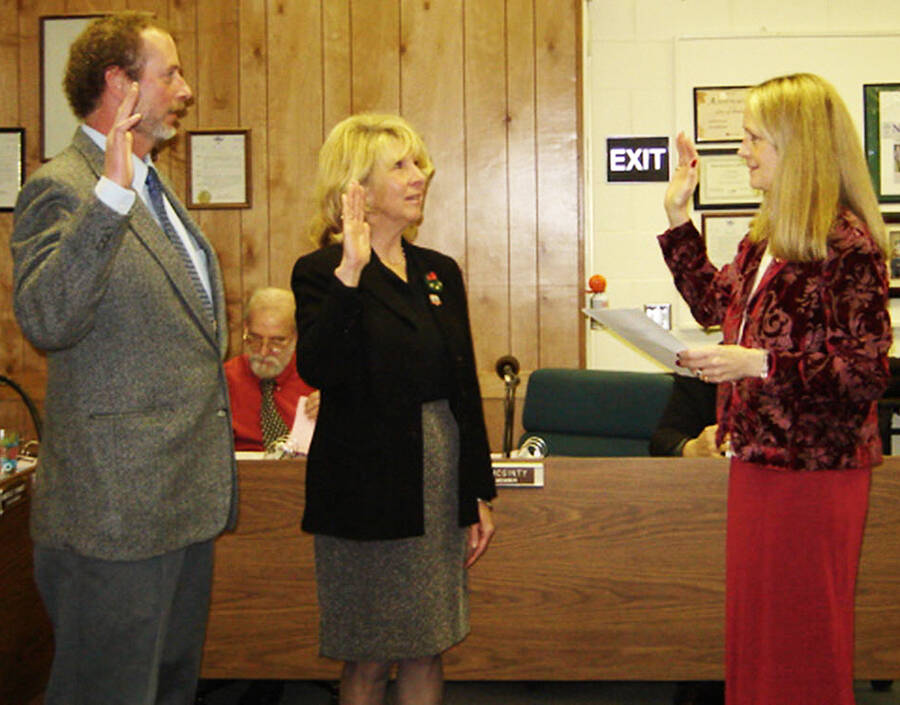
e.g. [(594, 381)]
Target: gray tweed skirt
[(404, 598)]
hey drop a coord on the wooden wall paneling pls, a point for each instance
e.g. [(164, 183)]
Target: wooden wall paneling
[(181, 18), (433, 101), (290, 71), (295, 129), (495, 419), (522, 177), (560, 251), (14, 414), (183, 32), (11, 344), (9, 66), (146, 6), (30, 13), (254, 252), (31, 364), (78, 7), (487, 198), (336, 69), (375, 51), (218, 105)]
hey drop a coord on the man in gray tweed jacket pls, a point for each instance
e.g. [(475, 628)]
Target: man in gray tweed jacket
[(137, 473)]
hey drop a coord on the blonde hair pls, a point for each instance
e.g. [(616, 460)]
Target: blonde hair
[(352, 149), (821, 167)]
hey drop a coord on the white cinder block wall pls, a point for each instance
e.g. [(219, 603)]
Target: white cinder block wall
[(629, 84)]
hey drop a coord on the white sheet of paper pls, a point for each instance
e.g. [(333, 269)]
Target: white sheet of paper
[(638, 329), (302, 430), (249, 454)]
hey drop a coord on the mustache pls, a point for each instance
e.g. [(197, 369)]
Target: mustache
[(256, 357)]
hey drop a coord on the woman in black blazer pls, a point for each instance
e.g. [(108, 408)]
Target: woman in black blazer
[(399, 478)]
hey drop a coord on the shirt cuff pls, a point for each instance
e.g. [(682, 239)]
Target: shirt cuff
[(117, 197)]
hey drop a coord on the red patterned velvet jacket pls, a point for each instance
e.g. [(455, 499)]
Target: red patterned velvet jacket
[(827, 330)]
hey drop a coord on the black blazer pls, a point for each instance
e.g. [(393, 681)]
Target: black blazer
[(364, 469)]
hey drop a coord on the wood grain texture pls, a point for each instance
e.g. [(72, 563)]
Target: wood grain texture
[(218, 73), (294, 129), (487, 197), (613, 570), (524, 309), (11, 346), (490, 85), (254, 248), (375, 55), (433, 100), (557, 170)]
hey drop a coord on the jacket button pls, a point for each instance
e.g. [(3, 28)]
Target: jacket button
[(221, 413)]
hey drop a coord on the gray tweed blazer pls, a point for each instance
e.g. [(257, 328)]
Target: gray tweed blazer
[(137, 457)]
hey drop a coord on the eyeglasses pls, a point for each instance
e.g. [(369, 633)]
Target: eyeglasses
[(275, 344)]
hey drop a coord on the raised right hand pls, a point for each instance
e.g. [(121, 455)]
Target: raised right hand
[(117, 164), (683, 182), (356, 235)]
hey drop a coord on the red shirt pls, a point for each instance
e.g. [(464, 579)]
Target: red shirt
[(246, 399)]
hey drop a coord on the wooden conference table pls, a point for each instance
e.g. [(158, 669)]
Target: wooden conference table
[(613, 570)]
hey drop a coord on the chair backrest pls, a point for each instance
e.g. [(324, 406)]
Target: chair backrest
[(595, 412)]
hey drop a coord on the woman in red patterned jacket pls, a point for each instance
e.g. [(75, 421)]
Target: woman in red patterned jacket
[(803, 310)]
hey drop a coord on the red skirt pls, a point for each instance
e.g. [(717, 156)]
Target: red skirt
[(792, 554)]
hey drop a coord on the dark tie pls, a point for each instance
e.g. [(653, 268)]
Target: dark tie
[(273, 426), (154, 189)]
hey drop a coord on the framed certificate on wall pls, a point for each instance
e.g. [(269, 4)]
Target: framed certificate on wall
[(724, 182), (12, 165), (719, 113), (218, 168), (882, 112)]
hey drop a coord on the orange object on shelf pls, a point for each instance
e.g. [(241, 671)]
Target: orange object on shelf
[(597, 283)]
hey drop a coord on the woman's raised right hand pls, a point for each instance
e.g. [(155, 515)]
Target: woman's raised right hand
[(356, 235), (683, 182)]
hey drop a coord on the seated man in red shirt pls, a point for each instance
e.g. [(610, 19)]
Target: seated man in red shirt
[(263, 382), (269, 360)]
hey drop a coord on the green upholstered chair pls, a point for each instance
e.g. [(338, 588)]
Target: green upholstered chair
[(594, 412)]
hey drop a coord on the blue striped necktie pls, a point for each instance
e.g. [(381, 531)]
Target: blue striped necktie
[(154, 188)]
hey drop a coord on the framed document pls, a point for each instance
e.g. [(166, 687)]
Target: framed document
[(892, 222), (719, 113), (724, 182), (12, 165), (723, 232), (218, 168), (882, 117), (58, 122)]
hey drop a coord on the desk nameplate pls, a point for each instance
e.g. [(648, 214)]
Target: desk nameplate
[(518, 473)]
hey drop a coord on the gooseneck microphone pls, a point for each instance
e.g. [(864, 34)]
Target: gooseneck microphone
[(508, 370)]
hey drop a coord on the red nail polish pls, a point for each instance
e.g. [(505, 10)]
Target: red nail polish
[(693, 163)]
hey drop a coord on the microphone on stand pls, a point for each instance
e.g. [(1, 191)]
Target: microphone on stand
[(508, 370)]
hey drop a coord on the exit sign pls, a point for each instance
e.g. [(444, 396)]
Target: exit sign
[(637, 158)]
